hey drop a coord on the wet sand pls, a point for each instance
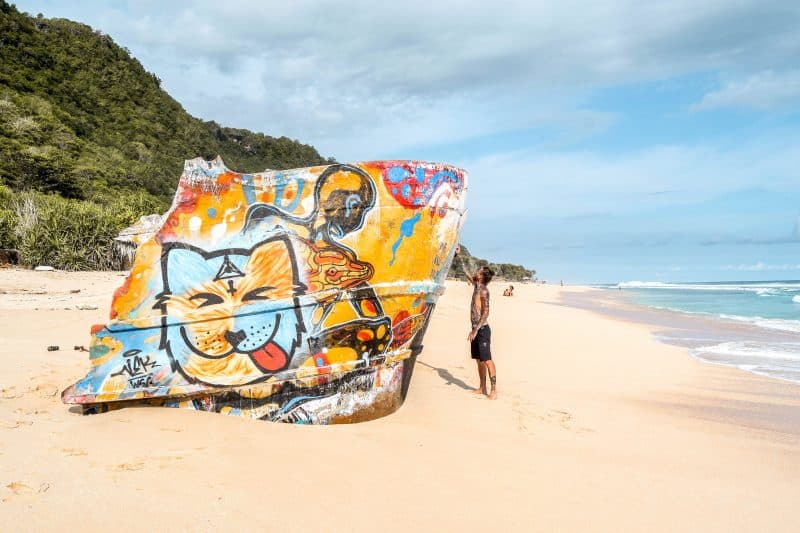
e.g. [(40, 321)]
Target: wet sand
[(598, 427), (696, 332)]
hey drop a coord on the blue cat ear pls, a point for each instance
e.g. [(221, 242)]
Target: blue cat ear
[(187, 269)]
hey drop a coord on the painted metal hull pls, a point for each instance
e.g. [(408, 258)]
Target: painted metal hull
[(296, 296)]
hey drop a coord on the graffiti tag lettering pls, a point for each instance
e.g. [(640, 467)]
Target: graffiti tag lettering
[(135, 365)]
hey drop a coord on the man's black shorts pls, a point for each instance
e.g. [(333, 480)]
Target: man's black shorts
[(481, 345)]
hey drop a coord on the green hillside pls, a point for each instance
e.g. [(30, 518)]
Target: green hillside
[(89, 142), (465, 261), (83, 120)]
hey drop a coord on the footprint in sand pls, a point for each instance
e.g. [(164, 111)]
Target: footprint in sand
[(162, 462), (26, 411), (554, 416), (19, 489), (45, 390), (562, 417), (526, 412), (168, 461), (522, 413), (129, 466), (10, 393), (74, 452), (565, 420), (15, 424), (42, 390)]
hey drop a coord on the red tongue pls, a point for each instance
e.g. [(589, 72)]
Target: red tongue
[(271, 357)]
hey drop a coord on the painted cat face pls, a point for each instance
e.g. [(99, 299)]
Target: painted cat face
[(233, 313)]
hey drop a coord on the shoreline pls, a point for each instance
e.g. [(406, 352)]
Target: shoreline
[(699, 333), (594, 415)]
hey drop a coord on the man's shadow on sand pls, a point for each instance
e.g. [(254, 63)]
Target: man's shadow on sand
[(449, 378)]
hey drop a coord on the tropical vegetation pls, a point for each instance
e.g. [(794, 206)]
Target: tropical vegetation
[(89, 141), (465, 261)]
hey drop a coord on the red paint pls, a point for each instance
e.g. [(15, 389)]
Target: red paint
[(399, 317), (226, 178), (401, 328), (270, 357), (419, 193)]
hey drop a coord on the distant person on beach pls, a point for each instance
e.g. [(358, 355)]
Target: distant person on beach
[(480, 337), (509, 291)]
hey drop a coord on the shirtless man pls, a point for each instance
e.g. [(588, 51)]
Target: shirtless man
[(481, 335)]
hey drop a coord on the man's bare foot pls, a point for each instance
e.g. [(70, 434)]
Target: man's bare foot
[(493, 395), (479, 391)]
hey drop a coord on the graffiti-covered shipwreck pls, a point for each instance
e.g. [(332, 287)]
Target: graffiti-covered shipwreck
[(295, 296)]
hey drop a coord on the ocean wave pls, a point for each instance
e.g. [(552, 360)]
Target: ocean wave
[(779, 324), (760, 288), (751, 349), (796, 299), (769, 292), (774, 360), (682, 311), (643, 285)]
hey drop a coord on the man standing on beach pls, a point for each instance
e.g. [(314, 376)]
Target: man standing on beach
[(481, 335)]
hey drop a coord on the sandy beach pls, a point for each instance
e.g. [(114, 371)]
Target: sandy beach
[(598, 427)]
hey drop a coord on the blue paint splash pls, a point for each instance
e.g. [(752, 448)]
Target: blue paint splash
[(280, 186), (406, 230), (248, 188)]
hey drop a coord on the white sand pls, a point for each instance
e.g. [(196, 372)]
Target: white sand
[(597, 427)]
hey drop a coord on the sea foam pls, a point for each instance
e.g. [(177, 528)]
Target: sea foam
[(752, 325)]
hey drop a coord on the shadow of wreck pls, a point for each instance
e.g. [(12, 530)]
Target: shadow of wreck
[(449, 378)]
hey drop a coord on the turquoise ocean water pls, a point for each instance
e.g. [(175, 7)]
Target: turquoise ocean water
[(753, 325)]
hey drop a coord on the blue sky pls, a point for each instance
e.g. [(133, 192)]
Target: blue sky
[(605, 141)]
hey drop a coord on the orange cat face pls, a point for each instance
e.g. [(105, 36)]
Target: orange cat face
[(234, 315)]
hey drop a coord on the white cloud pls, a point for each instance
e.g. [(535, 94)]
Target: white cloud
[(362, 79), (558, 183), (366, 80), (764, 91)]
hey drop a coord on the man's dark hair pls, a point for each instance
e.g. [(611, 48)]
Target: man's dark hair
[(487, 274)]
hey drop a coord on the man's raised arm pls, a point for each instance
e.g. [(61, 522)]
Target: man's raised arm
[(470, 275)]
